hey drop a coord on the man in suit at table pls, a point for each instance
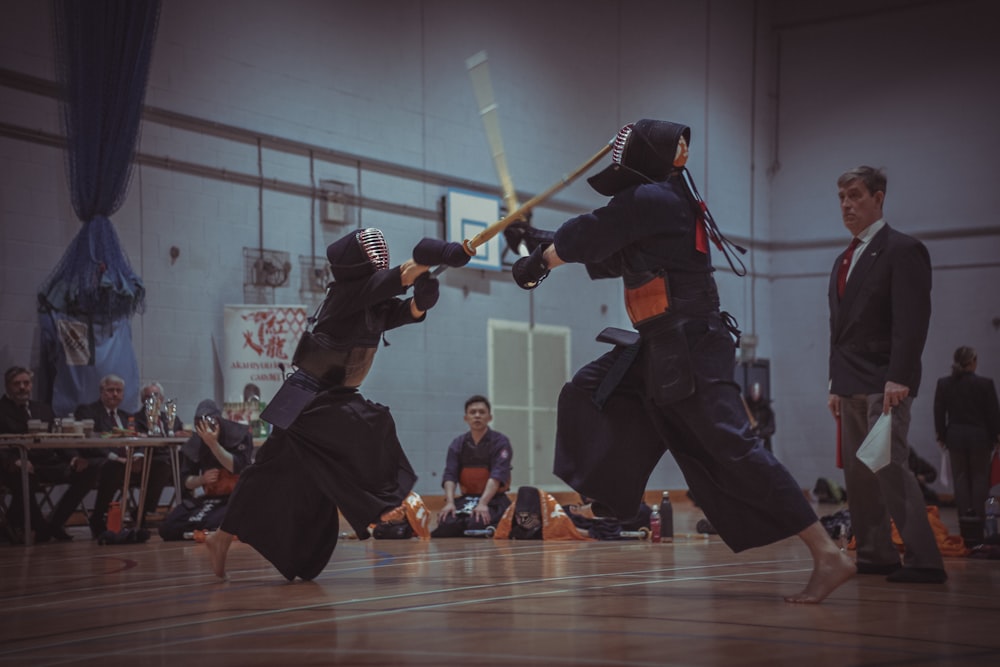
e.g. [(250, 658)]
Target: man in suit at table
[(880, 306), (108, 416), (51, 466)]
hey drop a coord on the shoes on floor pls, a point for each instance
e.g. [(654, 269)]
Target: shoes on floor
[(878, 568), (918, 575)]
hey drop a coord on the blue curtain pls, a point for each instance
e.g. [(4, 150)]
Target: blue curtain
[(103, 53)]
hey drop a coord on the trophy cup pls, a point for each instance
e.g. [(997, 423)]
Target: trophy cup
[(171, 409), (152, 406)]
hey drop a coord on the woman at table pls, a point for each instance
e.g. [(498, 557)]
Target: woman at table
[(211, 461)]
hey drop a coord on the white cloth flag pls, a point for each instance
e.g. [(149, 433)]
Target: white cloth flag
[(876, 451)]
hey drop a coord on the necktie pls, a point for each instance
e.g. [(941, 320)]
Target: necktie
[(845, 266), (114, 418), (27, 410)]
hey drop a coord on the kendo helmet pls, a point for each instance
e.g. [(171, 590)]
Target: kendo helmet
[(358, 255), (643, 152)]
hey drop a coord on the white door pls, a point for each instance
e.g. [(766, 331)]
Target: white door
[(528, 366)]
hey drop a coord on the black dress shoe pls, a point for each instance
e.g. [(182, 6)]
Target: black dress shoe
[(918, 575), (876, 568)]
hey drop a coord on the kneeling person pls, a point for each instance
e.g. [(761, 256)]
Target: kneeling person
[(479, 462), (212, 460)]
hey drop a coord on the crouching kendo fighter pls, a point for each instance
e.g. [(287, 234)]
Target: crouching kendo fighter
[(212, 460), (671, 384), (331, 449)]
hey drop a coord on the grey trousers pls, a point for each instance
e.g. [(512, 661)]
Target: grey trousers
[(873, 498)]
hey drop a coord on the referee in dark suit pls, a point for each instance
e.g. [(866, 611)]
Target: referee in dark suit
[(967, 422), (880, 310)]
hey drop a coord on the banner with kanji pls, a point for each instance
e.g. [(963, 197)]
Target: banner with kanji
[(259, 340)]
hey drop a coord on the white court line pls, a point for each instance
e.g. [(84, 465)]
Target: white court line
[(110, 637)]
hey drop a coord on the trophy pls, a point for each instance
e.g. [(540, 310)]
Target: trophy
[(152, 405), (171, 409)]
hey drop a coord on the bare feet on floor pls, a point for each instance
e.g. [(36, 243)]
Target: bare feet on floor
[(831, 570), (217, 555)]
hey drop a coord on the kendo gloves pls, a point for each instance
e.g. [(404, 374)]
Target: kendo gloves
[(426, 291), (432, 252), (519, 232), (529, 271)]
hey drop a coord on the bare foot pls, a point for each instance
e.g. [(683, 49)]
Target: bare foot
[(217, 554), (830, 571)]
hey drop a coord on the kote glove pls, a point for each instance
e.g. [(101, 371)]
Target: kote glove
[(431, 252), (529, 271), (426, 291)]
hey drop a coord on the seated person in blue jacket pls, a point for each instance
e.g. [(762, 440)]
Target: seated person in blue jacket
[(211, 461), (478, 463)]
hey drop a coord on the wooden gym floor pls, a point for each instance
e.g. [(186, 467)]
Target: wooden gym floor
[(480, 602)]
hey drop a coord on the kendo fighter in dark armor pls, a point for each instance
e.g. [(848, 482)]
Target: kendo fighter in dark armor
[(331, 449), (670, 383)]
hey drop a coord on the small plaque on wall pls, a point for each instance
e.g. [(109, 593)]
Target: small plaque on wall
[(468, 214)]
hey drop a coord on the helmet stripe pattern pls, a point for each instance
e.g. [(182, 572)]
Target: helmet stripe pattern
[(373, 243), (618, 150)]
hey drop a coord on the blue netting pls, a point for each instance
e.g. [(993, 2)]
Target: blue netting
[(94, 278), (103, 52)]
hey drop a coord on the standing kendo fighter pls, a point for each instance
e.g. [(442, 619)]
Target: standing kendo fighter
[(670, 384), (331, 449)]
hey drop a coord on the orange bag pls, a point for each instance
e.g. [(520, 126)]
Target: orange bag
[(950, 545), (222, 486), (556, 524)]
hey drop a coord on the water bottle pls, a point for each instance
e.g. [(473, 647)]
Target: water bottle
[(115, 517), (990, 524), (654, 524), (666, 517)]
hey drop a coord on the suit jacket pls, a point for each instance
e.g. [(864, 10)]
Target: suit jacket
[(103, 423), (13, 419), (878, 329), (966, 410)]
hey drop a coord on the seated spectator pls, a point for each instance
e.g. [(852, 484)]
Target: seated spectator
[(478, 463), (50, 466), (167, 427), (211, 461), (109, 417)]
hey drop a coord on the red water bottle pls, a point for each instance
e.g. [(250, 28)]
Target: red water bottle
[(115, 517), (654, 524)]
